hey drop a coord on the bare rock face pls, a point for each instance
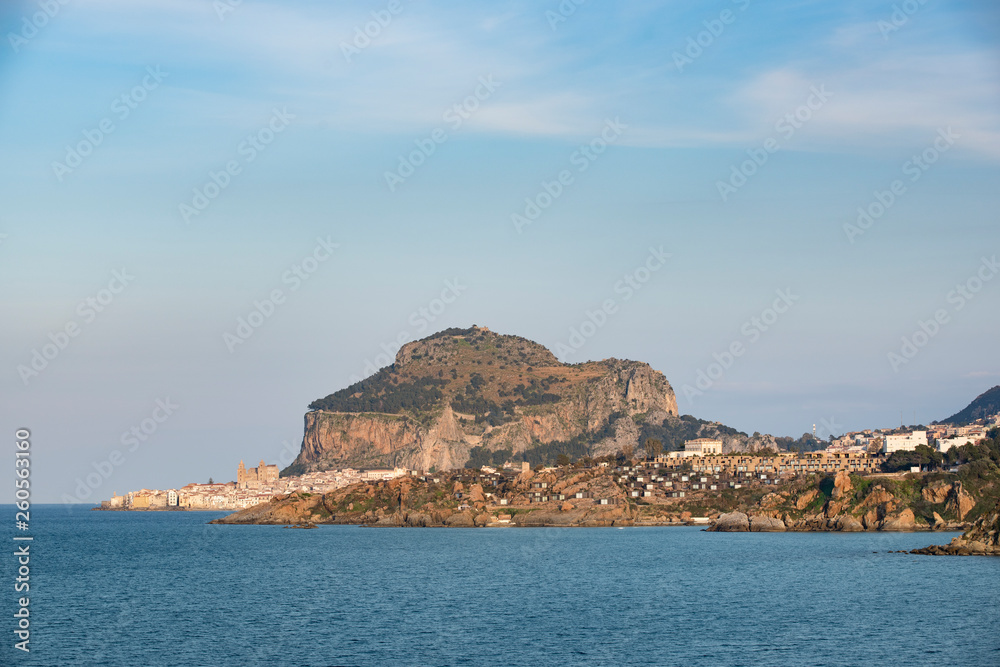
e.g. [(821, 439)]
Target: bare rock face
[(460, 389), (841, 484), (936, 493), (733, 522), (959, 501)]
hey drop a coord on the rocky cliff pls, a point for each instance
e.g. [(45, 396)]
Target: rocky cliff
[(466, 390)]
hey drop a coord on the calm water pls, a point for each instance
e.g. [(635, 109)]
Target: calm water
[(114, 588)]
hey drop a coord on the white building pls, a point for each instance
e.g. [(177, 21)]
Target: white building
[(903, 442), (171, 498), (702, 447), (944, 444)]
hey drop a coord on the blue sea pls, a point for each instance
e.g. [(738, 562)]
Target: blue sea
[(158, 588)]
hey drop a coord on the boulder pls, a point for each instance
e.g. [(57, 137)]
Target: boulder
[(476, 494), (733, 522), (936, 494), (460, 520), (766, 524), (771, 500), (806, 498), (877, 496), (904, 521), (848, 524), (833, 508), (567, 506), (417, 520)]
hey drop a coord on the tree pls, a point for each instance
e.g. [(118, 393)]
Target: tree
[(627, 452), (562, 460), (211, 481), (653, 447)]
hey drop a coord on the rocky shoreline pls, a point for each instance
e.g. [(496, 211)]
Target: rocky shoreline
[(981, 539), (603, 497)]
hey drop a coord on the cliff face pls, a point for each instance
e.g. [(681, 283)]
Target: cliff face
[(462, 389)]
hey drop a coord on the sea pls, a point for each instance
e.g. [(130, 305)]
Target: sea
[(166, 588)]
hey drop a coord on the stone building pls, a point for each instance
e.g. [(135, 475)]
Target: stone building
[(255, 478)]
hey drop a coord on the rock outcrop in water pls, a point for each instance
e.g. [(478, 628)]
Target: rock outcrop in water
[(981, 539)]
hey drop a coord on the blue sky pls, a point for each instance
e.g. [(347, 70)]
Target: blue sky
[(838, 97)]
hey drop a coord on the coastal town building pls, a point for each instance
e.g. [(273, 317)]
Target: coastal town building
[(702, 447), (944, 444), (255, 478), (903, 442), (784, 463)]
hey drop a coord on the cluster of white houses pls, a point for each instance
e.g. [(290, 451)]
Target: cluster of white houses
[(252, 487)]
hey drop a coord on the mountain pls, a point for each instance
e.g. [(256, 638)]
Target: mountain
[(464, 394), (985, 405)]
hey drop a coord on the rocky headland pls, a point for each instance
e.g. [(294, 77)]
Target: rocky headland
[(981, 539)]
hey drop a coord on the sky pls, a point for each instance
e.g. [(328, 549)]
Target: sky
[(215, 212)]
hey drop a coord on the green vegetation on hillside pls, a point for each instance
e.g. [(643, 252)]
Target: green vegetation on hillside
[(673, 431), (384, 392), (984, 405)]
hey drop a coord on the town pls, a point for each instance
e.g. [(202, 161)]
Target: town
[(700, 468)]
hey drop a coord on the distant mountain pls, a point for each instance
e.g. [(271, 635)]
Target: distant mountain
[(986, 404)]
